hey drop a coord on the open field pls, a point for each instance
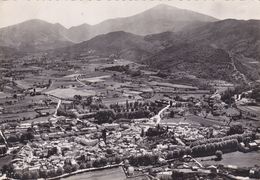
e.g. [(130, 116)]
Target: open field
[(115, 174), (97, 79), (18, 116), (172, 85), (70, 92), (252, 109), (202, 120), (4, 95), (237, 159)]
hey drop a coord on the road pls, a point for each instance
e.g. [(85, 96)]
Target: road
[(77, 79), (1, 134), (157, 118), (58, 105)]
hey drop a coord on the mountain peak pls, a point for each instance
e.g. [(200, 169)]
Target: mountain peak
[(84, 25), (164, 6), (35, 21)]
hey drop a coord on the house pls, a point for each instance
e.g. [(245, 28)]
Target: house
[(253, 146)]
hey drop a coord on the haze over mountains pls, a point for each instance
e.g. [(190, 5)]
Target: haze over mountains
[(39, 35), (164, 37)]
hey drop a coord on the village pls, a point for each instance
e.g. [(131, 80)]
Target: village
[(101, 116)]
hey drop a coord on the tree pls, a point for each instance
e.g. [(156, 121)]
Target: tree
[(82, 166), (60, 171), (77, 97), (67, 168), (75, 167), (235, 129), (89, 164), (104, 135), (105, 116), (142, 133), (34, 175), (26, 175), (227, 96), (43, 173), (26, 136), (218, 155), (176, 175), (15, 96), (103, 161), (256, 94), (172, 114), (89, 100), (51, 173), (118, 160)]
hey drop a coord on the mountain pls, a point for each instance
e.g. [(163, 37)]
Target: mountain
[(241, 38), (165, 51), (238, 36), (78, 33), (119, 43), (158, 19), (195, 59), (9, 52), (34, 35)]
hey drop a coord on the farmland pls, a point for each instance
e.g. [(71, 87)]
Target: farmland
[(115, 112)]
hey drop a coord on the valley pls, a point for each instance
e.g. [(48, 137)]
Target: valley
[(164, 94)]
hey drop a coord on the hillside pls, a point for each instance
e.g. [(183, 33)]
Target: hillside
[(78, 33), (34, 35), (198, 60), (165, 51), (121, 44), (9, 52), (240, 37)]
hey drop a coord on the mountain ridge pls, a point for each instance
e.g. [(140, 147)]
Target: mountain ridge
[(36, 35)]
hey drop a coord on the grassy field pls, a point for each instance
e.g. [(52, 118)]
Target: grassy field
[(4, 95), (204, 121), (252, 109), (237, 159), (97, 78), (114, 173), (71, 92)]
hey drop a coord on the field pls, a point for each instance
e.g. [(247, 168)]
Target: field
[(97, 79), (24, 108), (70, 92), (115, 174), (252, 109), (237, 159), (192, 119), (4, 95)]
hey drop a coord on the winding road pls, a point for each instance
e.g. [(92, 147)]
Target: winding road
[(157, 118)]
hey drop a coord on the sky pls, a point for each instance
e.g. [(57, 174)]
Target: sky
[(75, 12)]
